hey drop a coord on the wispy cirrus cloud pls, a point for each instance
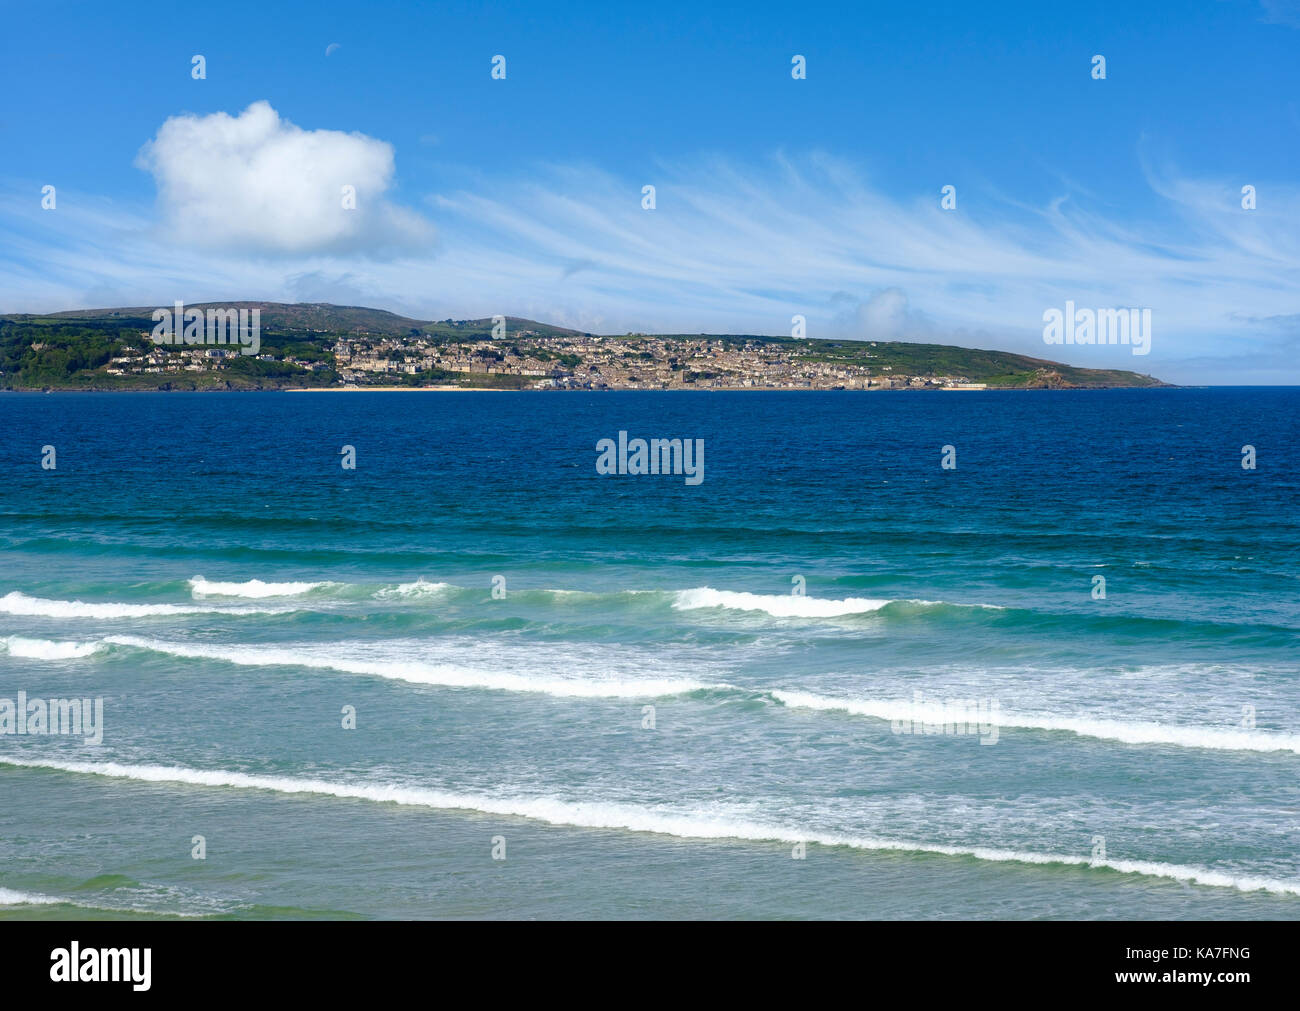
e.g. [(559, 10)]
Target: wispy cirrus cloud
[(744, 249)]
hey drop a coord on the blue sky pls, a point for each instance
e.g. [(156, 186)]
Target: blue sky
[(774, 196)]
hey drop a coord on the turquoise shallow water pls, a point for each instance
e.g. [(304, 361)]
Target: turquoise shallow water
[(205, 566)]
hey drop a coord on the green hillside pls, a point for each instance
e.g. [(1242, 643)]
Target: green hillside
[(74, 350)]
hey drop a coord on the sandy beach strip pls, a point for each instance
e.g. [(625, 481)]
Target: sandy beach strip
[(400, 389)]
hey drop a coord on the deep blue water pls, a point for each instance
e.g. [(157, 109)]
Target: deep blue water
[(647, 716)]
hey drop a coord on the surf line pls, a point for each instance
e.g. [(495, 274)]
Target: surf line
[(683, 826)]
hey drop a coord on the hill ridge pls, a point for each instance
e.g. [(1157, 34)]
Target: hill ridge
[(321, 344)]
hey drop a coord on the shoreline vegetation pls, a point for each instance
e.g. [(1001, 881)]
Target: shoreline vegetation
[(309, 347)]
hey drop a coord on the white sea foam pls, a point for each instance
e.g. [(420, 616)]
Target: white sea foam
[(775, 604), (252, 588), (1127, 732), (945, 603), (420, 588), (8, 897), (47, 649), (682, 824), (451, 675), (38, 607)]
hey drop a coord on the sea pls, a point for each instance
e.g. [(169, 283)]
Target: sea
[(408, 655)]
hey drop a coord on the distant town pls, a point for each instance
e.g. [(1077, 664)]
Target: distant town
[(314, 346), (569, 363)]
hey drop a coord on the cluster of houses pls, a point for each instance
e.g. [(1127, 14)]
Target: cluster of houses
[(632, 362), (133, 361), (629, 363)]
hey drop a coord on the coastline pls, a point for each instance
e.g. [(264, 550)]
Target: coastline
[(636, 389), (619, 389), (397, 389)]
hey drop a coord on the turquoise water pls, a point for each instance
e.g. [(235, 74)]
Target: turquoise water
[(205, 566)]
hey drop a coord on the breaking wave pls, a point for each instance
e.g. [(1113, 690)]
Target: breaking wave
[(616, 816)]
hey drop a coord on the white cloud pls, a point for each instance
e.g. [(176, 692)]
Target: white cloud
[(257, 183), (883, 316)]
